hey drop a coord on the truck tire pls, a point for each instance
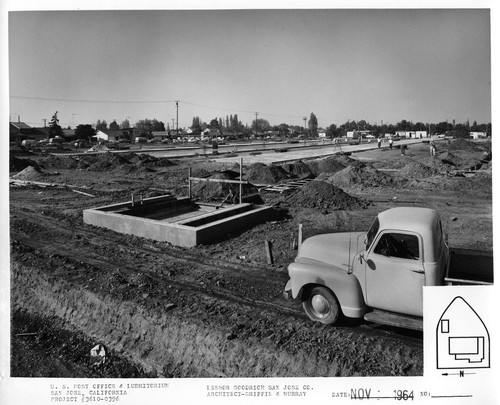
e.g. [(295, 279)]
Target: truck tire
[(321, 305)]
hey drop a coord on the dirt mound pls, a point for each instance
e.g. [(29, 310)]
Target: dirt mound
[(299, 169), (488, 166), (107, 162), (59, 162), (31, 173), (450, 159), (397, 164), (322, 195), (361, 174), (464, 144), (201, 172), (260, 173), (148, 160), (214, 191), (17, 164), (417, 169), (462, 160), (331, 164)]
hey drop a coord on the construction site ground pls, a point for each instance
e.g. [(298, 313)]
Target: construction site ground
[(215, 310)]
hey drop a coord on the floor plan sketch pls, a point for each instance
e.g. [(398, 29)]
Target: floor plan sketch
[(462, 339)]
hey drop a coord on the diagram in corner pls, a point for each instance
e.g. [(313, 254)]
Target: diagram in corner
[(462, 339)]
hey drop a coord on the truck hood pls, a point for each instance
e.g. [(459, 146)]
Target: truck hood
[(332, 248)]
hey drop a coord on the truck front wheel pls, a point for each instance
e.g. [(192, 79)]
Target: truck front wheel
[(321, 305)]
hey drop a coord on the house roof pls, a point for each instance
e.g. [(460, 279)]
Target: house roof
[(20, 125)]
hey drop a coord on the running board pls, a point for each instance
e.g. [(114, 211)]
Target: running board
[(393, 319)]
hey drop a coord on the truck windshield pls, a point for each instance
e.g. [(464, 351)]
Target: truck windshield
[(372, 232)]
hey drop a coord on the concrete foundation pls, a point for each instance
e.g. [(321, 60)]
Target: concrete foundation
[(179, 221)]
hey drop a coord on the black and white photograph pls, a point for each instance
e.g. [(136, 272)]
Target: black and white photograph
[(216, 204)]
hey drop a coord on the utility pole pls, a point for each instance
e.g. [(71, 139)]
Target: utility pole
[(256, 114), (304, 118), (177, 107)]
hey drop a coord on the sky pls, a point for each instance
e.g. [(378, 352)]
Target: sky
[(377, 65)]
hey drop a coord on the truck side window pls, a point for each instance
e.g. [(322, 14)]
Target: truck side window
[(398, 245)]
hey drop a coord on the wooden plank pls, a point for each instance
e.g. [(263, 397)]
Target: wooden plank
[(392, 319), (219, 180)]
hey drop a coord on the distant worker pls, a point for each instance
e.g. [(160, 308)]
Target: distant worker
[(390, 142), (432, 148), (379, 142)]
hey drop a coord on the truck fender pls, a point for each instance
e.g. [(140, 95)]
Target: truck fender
[(309, 273)]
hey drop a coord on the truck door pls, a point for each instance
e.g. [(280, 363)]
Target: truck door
[(395, 273)]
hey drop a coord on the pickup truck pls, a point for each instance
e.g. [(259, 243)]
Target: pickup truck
[(378, 275)]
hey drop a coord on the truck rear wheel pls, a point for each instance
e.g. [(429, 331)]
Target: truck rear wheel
[(321, 305)]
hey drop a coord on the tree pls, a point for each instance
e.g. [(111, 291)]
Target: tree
[(404, 126), (313, 125), (54, 127), (84, 131), (214, 124), (148, 125), (234, 124), (262, 125), (101, 125), (332, 131), (442, 127), (125, 124), (283, 129), (114, 126)]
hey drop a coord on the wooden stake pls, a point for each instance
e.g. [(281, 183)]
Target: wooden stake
[(241, 179), (300, 236), (269, 254)]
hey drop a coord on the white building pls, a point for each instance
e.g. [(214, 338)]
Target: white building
[(477, 135), (101, 136), (357, 134)]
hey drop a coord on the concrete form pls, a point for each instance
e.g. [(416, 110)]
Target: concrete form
[(180, 222)]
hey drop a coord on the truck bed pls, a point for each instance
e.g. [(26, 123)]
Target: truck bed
[(470, 267)]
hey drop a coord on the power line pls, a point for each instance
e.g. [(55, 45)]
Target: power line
[(93, 101), (150, 102)]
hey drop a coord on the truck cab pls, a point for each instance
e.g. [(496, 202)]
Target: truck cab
[(385, 268)]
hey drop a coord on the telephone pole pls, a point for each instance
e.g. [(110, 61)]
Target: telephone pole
[(177, 107), (256, 114)]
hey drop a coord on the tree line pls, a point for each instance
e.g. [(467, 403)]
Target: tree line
[(231, 123)]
